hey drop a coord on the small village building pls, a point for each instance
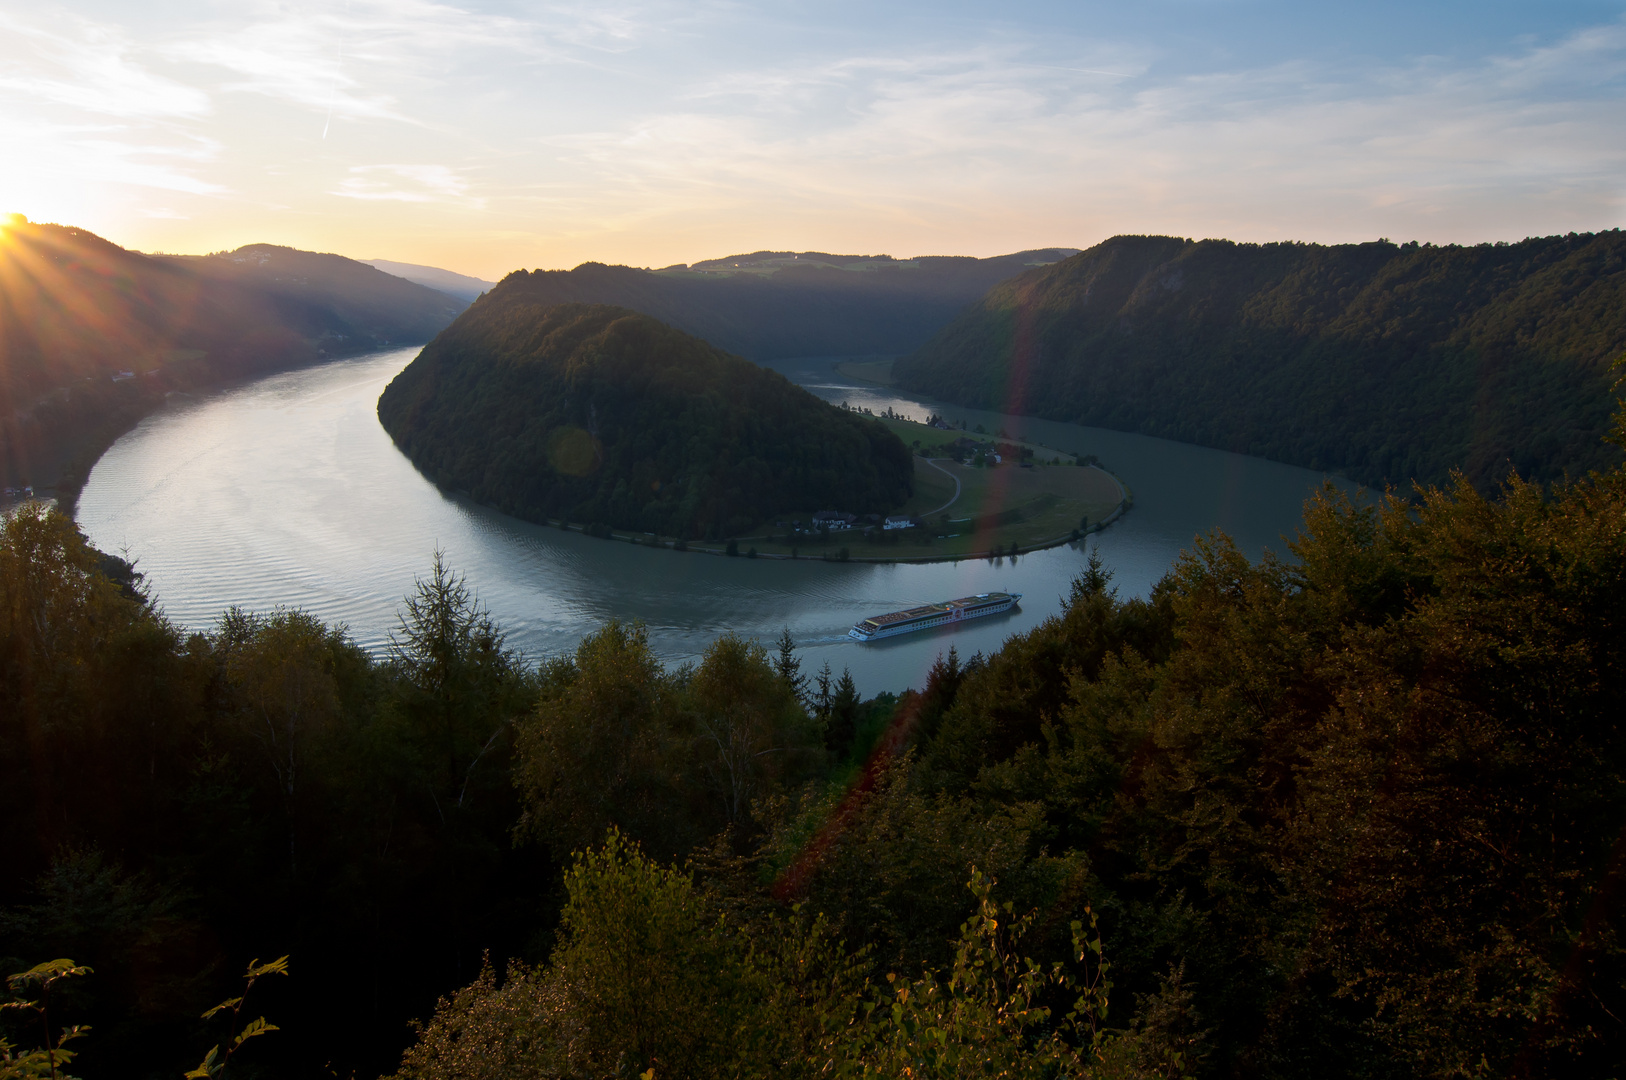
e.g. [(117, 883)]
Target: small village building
[(899, 522)]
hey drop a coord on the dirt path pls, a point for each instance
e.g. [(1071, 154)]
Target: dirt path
[(951, 476)]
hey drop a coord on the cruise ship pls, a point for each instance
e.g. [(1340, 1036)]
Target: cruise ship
[(929, 615)]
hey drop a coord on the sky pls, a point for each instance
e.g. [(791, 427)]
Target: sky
[(488, 136)]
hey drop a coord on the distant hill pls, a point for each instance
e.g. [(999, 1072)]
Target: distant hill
[(459, 285), (770, 305), (1385, 362), (94, 336), (599, 414)]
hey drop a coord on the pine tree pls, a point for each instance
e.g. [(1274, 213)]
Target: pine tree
[(789, 666), (842, 726), (822, 699)]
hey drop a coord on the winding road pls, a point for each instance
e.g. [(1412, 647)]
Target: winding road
[(951, 476)]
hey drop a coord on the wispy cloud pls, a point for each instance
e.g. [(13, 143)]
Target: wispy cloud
[(356, 60), (997, 129), (91, 67), (406, 183), (84, 154)]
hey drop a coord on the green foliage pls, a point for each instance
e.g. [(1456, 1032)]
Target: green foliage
[(600, 414), (841, 722), (266, 782), (752, 728), (1384, 362), (788, 666), (456, 688), (989, 1017), (605, 748), (214, 1062), (1376, 787), (648, 975), (44, 1062), (667, 758)]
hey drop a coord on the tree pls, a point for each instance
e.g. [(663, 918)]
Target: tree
[(646, 977), (284, 671), (842, 726), (822, 698), (789, 666), (456, 684), (751, 724), (604, 748)]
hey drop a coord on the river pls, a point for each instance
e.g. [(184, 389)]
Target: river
[(286, 491)]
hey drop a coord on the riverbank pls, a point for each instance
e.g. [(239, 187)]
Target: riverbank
[(998, 511), (68, 441)]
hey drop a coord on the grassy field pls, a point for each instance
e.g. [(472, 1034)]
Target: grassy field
[(972, 512)]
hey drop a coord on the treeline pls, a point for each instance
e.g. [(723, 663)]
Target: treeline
[(1353, 815), (77, 312), (776, 306), (1385, 362), (606, 417)]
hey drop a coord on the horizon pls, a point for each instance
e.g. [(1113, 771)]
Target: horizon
[(485, 136)]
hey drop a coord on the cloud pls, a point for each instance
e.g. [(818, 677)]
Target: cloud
[(92, 67), (80, 155), (1003, 129), (406, 183), (357, 61)]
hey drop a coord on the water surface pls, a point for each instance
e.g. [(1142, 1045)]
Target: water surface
[(287, 491)]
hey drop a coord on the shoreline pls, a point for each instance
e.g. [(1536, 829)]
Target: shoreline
[(1126, 503), (93, 444)]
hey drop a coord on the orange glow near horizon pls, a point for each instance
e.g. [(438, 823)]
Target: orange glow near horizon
[(482, 138)]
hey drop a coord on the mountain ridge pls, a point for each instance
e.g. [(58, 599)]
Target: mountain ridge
[(775, 307), (96, 335), (1386, 362)]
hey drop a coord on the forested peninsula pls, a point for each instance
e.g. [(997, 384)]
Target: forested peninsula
[(1385, 362), (1353, 816), (604, 416), (93, 337)]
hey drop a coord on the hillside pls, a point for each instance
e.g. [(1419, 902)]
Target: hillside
[(461, 286), (599, 414), (1385, 362), (771, 305), (94, 336)]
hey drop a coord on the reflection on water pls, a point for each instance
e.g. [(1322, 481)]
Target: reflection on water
[(288, 492)]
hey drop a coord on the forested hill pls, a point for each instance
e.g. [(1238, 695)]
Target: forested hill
[(93, 336), (771, 305), (602, 415), (1384, 362)]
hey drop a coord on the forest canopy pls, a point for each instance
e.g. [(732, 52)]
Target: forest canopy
[(1385, 362), (1353, 814), (599, 414)]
